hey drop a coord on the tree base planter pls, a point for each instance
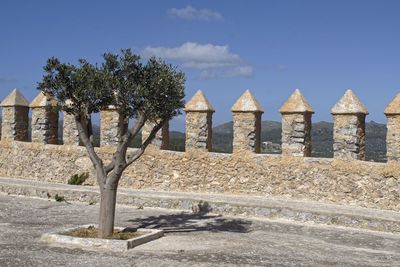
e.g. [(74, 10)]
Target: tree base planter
[(65, 240)]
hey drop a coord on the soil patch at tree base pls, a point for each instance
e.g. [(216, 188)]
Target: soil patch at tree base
[(86, 237), (93, 232)]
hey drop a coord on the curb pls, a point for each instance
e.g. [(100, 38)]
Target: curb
[(60, 239)]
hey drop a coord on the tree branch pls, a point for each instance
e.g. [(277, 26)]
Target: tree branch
[(84, 136), (144, 145), (109, 167), (132, 132), (120, 154)]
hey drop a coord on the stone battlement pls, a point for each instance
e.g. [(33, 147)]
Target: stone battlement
[(345, 179)]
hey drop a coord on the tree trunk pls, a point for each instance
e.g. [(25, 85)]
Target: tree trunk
[(108, 199)]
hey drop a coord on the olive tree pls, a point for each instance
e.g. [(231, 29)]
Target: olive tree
[(151, 92)]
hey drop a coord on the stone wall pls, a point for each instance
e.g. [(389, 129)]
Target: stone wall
[(393, 138), (367, 184), (15, 123), (198, 131), (110, 127), (345, 179), (349, 136), (296, 137), (44, 126), (248, 134), (70, 131)]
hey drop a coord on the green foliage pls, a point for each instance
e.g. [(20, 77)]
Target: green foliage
[(59, 198), (155, 89), (82, 84), (78, 179)]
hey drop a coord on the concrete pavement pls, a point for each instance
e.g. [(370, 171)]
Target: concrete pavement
[(191, 239)]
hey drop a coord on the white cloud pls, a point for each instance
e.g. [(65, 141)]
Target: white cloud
[(213, 60), (191, 13), (239, 71), (197, 56)]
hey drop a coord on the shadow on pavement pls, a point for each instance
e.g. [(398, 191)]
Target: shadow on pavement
[(193, 222)]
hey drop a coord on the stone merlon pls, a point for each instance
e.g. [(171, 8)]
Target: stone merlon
[(296, 103), (41, 100), (199, 103), (394, 107), (14, 99), (349, 104), (247, 103)]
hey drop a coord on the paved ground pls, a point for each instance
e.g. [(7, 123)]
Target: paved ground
[(267, 207), (191, 240)]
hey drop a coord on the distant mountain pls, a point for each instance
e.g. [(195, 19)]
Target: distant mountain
[(176, 141), (376, 141), (321, 136)]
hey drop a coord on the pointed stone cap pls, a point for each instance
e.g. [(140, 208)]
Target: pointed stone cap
[(349, 104), (247, 103), (394, 107), (43, 101), (199, 103), (296, 103), (15, 98)]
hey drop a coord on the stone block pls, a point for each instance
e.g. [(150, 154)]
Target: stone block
[(44, 119), (392, 113), (296, 126), (246, 124), (15, 120), (198, 123), (349, 128), (112, 127), (70, 131)]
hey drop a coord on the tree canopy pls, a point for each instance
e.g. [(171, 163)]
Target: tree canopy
[(155, 89)]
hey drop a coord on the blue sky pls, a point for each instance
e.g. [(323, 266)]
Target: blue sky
[(224, 47)]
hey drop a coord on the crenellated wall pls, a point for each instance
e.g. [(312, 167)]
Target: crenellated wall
[(344, 179)]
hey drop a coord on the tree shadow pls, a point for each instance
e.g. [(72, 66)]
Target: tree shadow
[(193, 222)]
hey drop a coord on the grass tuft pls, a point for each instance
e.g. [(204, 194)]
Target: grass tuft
[(78, 179)]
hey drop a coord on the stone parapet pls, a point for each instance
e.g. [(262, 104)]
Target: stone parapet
[(111, 124), (296, 126), (338, 180), (392, 113), (70, 130), (15, 119), (362, 183), (349, 127), (161, 141), (44, 120), (246, 114), (198, 123)]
